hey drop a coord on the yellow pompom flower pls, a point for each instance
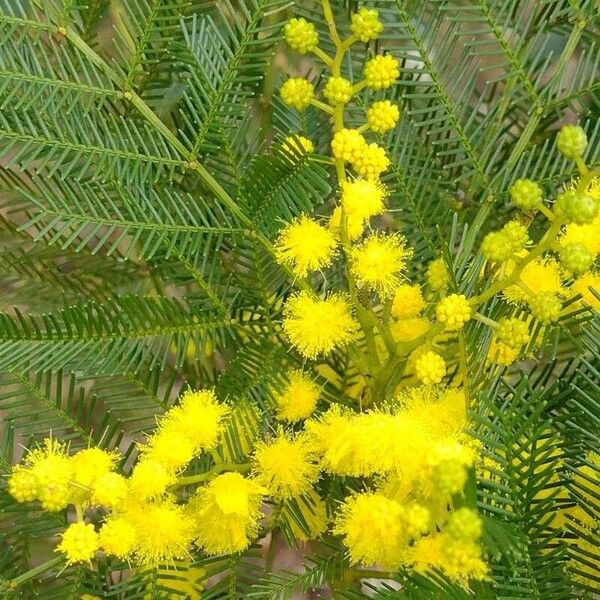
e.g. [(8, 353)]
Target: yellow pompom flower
[(79, 543), (164, 532), (372, 529), (298, 144), (586, 235), (297, 93), (355, 224), (316, 326), (409, 329), (365, 24), (22, 484), (118, 537), (378, 262), (502, 354), (149, 479), (109, 490), (363, 198), (430, 368), (454, 311), (371, 161), (91, 464), (285, 466), (53, 473), (168, 447), (198, 418), (338, 90), (408, 301), (437, 275), (348, 144), (539, 276), (305, 245), (382, 116), (584, 285), (298, 398), (381, 71), (226, 513), (301, 35)]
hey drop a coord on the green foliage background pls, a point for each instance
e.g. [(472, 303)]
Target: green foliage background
[(141, 191)]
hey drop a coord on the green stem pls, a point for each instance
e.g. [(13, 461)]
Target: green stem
[(24, 577), (201, 477), (322, 106), (333, 34), (324, 57)]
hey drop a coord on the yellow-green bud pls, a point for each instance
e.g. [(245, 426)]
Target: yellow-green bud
[(297, 93), (338, 90), (365, 24), (382, 116), (576, 258), (545, 307), (571, 141), (572, 206), (301, 35), (526, 194), (513, 332)]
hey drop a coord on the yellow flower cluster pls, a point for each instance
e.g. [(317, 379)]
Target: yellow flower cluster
[(142, 521)]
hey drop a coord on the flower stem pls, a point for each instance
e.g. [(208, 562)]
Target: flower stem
[(201, 477), (13, 584)]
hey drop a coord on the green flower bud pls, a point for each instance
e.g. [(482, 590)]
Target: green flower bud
[(513, 332), (574, 207), (571, 141), (526, 194), (499, 246), (576, 258), (545, 307)]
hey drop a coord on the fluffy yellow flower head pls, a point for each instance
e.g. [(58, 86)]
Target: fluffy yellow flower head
[(348, 144), (363, 198), (538, 276), (382, 116), (298, 144), (168, 447), (301, 35), (381, 71), (513, 332), (409, 329), (53, 472), (545, 307), (437, 275), (226, 513), (164, 532), (285, 466), (584, 286), (365, 24), (149, 479), (305, 246), (79, 543), (91, 464), (378, 262), (586, 235), (316, 326), (297, 93), (430, 368), (408, 301), (371, 161), (198, 418), (372, 528), (298, 398), (338, 90), (454, 311), (110, 490), (118, 537)]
